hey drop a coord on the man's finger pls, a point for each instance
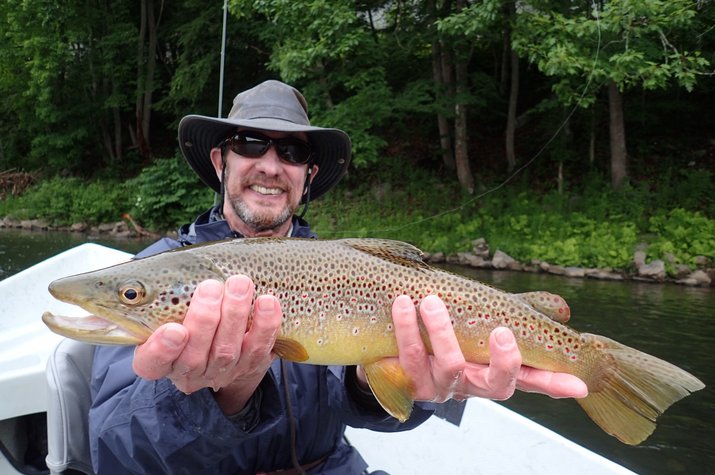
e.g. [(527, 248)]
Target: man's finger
[(235, 310), (556, 385), (448, 362), (201, 321), (504, 363), (155, 358), (412, 352), (260, 338)]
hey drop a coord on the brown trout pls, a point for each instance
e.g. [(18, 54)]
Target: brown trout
[(336, 297)]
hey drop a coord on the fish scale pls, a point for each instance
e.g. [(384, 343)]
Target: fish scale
[(336, 297)]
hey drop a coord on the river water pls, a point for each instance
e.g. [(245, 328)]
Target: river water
[(672, 322)]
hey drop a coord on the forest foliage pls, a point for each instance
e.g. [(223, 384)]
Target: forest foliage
[(544, 97)]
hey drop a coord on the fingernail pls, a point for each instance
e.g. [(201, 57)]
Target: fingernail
[(431, 303), (238, 286), (403, 302), (504, 338), (172, 337), (264, 303), (210, 290)]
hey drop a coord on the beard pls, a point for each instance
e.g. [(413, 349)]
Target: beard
[(259, 219)]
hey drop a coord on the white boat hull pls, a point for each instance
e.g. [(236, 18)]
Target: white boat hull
[(491, 438)]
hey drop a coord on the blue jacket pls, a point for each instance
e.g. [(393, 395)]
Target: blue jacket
[(140, 426)]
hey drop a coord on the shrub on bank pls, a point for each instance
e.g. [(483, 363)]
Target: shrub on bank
[(167, 194), (594, 229), (65, 201)]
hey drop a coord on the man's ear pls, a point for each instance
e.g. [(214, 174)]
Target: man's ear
[(217, 161), (313, 172)]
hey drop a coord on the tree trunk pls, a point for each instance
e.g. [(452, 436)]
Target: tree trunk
[(153, 26), (444, 84), (146, 66), (592, 138), (617, 132), (461, 136), (511, 115), (445, 138)]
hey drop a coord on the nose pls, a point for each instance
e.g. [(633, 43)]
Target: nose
[(269, 163)]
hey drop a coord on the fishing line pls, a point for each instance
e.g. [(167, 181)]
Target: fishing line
[(518, 170)]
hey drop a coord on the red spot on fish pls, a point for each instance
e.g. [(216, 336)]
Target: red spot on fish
[(549, 347), (471, 322)]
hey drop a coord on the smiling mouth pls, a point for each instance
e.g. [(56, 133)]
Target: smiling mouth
[(263, 190)]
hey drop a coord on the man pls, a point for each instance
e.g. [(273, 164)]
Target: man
[(210, 396)]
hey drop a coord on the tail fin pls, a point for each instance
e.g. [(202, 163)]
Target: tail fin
[(626, 398)]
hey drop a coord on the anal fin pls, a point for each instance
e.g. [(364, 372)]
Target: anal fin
[(392, 388), (290, 350)]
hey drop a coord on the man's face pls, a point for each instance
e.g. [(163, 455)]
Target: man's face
[(261, 194)]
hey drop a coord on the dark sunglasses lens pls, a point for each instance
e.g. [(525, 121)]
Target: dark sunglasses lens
[(293, 151), (289, 149), (249, 146)]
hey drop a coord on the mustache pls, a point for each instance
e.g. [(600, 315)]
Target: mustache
[(266, 182)]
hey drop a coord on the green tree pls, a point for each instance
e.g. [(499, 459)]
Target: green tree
[(616, 45)]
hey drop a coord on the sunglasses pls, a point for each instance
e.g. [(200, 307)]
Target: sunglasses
[(255, 145)]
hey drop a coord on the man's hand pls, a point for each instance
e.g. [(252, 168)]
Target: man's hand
[(446, 374), (214, 347)]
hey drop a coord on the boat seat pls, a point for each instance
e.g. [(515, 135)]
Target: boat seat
[(68, 378)]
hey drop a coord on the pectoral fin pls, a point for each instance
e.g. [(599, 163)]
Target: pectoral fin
[(290, 350), (392, 387)]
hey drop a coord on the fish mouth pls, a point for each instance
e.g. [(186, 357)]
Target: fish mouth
[(96, 330), (105, 325)]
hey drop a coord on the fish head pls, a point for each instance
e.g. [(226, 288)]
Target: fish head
[(129, 301)]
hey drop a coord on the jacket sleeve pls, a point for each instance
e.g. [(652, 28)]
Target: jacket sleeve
[(140, 426)]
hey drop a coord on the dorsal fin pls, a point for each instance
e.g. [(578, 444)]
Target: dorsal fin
[(397, 252)]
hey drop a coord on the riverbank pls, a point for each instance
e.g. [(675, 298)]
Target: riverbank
[(479, 257)]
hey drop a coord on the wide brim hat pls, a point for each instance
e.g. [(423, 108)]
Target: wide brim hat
[(272, 106)]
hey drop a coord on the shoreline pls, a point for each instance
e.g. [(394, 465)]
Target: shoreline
[(480, 257)]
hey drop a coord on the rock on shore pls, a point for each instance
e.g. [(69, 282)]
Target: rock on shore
[(655, 271)]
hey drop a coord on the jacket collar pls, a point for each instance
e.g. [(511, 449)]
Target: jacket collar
[(211, 226)]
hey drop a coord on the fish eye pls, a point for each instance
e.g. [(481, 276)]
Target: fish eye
[(132, 293)]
